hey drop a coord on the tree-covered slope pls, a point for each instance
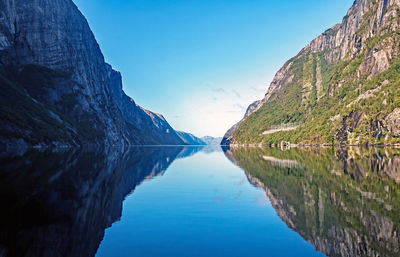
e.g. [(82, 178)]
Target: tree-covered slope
[(344, 87)]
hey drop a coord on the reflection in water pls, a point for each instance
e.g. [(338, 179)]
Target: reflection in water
[(59, 204), (345, 202)]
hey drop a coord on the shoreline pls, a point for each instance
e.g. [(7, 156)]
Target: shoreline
[(288, 145)]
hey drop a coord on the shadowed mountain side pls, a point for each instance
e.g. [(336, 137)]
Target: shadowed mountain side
[(345, 202), (56, 88), (59, 204)]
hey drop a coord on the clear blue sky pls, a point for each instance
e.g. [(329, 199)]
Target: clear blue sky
[(201, 63)]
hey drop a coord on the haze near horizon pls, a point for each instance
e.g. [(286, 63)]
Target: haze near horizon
[(200, 64)]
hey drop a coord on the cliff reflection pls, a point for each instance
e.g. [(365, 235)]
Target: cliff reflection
[(59, 204), (345, 202)]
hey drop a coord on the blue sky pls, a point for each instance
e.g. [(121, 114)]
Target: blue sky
[(201, 63)]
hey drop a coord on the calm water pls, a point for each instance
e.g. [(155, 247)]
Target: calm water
[(194, 201)]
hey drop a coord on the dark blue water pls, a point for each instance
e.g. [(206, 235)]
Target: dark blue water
[(202, 206)]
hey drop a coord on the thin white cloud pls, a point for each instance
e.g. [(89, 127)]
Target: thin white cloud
[(214, 110), (236, 93), (220, 90), (239, 106), (259, 89)]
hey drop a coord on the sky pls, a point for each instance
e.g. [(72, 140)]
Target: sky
[(201, 63)]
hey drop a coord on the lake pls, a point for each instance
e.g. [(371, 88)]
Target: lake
[(201, 201)]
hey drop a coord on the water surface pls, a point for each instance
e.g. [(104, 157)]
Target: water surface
[(202, 206), (196, 201)]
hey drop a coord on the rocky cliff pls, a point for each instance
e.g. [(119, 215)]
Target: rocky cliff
[(56, 87), (354, 66)]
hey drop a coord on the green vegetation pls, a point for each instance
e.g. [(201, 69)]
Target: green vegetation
[(341, 85), (27, 112), (18, 109)]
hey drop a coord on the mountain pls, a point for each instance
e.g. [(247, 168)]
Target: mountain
[(342, 88), (190, 139), (212, 140), (57, 89)]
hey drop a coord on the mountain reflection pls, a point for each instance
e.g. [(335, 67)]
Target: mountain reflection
[(345, 202), (59, 204)]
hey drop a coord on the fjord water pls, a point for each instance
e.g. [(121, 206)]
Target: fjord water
[(201, 201), (202, 205)]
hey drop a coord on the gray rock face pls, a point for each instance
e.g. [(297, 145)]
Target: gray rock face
[(54, 34), (392, 122), (345, 41), (153, 128)]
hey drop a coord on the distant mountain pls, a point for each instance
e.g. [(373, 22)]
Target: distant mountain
[(56, 88), (212, 140), (342, 88), (190, 139)]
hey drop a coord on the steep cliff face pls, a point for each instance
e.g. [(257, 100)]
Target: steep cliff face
[(354, 66), (76, 90)]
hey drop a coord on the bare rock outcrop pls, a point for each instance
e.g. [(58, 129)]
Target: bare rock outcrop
[(392, 121)]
